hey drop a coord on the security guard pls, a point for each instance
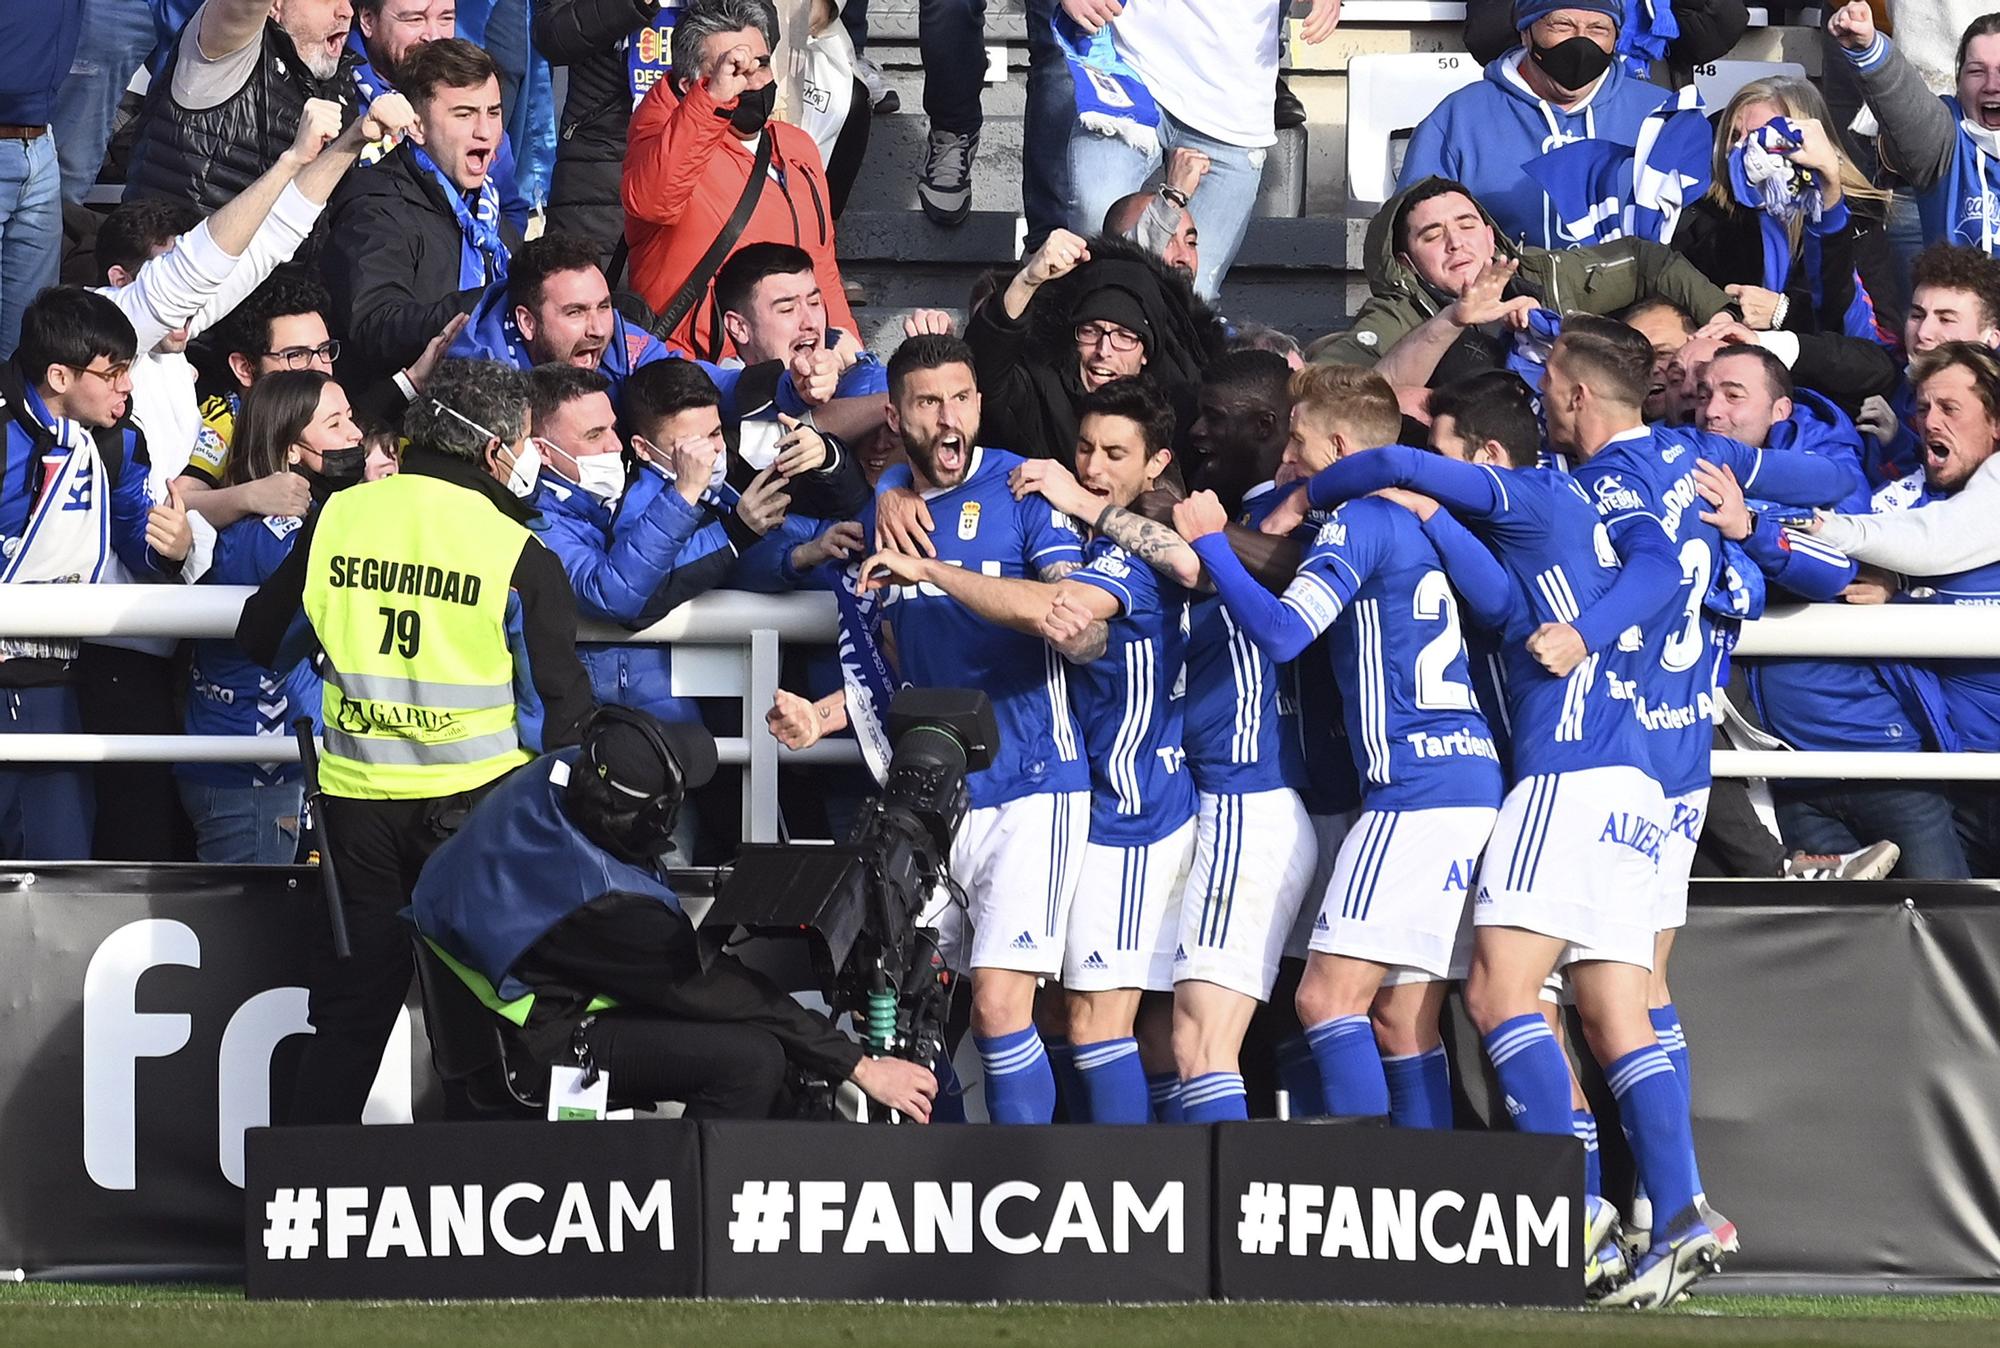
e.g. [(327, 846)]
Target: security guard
[(449, 640)]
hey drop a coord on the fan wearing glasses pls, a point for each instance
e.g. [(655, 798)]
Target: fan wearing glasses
[(73, 496), (281, 326)]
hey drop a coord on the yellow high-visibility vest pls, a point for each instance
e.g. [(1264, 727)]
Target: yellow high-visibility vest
[(406, 587)]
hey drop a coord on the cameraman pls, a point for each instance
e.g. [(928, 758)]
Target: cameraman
[(554, 887)]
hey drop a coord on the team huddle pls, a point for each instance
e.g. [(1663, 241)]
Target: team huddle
[(1416, 717)]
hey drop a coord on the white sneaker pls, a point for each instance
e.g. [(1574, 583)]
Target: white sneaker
[(882, 100), (1689, 1253), (944, 188), (1873, 862)]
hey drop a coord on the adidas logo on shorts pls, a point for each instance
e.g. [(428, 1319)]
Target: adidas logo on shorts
[(1024, 942), (1096, 961), (1180, 954), (1320, 923)]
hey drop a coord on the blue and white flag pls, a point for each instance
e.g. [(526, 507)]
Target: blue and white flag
[(1643, 38), (1600, 190), (1111, 99), (869, 681)]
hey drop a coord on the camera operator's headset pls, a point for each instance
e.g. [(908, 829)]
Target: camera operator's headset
[(656, 815)]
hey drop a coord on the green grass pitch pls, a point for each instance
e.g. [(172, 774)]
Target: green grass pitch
[(33, 1314)]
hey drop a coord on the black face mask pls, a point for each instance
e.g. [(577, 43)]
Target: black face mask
[(753, 109), (1574, 62), (339, 469)]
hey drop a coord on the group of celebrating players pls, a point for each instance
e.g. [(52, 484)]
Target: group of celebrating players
[(1256, 732)]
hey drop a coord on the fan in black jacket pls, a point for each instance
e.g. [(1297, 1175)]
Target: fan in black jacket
[(391, 267), (589, 37), (1030, 367)]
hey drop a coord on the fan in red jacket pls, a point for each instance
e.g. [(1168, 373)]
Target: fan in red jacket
[(688, 160)]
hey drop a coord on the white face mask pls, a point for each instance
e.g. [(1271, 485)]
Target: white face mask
[(525, 471), (602, 475)]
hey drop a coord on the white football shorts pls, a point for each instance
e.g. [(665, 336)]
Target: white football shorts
[(1018, 864), (1253, 863), (1685, 815), (1576, 855), (1400, 890), (1121, 927)]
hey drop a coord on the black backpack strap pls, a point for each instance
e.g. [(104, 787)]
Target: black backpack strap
[(718, 252)]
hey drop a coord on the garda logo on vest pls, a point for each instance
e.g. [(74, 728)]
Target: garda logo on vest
[(409, 578)]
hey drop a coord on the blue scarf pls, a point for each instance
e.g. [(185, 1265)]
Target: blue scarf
[(1762, 179), (482, 254), (1643, 38), (1111, 99), (371, 86), (1600, 190), (869, 681)]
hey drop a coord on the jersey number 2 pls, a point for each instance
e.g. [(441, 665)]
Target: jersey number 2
[(1437, 690)]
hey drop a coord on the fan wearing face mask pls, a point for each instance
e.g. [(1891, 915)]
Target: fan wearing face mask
[(1561, 84), (640, 534), (692, 170), (298, 422)]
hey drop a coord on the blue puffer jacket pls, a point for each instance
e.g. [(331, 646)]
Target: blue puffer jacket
[(632, 564)]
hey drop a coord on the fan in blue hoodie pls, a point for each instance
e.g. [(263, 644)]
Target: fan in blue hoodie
[(555, 306), (1561, 85), (1821, 704)]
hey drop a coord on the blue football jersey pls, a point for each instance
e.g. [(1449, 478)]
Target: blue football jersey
[(1129, 701), (1374, 580), (1315, 752), (1545, 532), (1646, 480), (1971, 687), (942, 644), (1242, 730)]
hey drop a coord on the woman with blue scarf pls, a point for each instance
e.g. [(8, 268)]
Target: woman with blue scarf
[(1783, 208)]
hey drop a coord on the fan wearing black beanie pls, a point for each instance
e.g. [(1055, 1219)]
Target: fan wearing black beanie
[(1077, 315)]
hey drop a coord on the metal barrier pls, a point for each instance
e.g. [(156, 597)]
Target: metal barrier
[(731, 644)]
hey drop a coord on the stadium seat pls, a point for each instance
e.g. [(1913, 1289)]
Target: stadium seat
[(1387, 95), (1718, 81)]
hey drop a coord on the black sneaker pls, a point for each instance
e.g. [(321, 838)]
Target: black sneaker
[(1287, 111), (944, 188)]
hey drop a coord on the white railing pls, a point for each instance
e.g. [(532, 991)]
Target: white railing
[(730, 643), (728, 646)]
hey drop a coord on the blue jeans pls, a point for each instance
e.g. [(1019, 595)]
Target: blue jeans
[(118, 35), (46, 810), (1104, 168), (30, 230), (951, 34), (244, 825), (1831, 818)]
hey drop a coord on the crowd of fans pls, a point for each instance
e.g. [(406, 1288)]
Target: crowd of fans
[(323, 199)]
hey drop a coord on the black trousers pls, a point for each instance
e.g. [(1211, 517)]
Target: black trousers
[(718, 1069), (139, 814), (378, 847)]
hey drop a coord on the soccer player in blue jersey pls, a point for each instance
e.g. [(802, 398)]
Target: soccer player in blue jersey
[(1392, 927), (1566, 856), (1642, 480), (1253, 845), (1125, 629), (1018, 852)]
